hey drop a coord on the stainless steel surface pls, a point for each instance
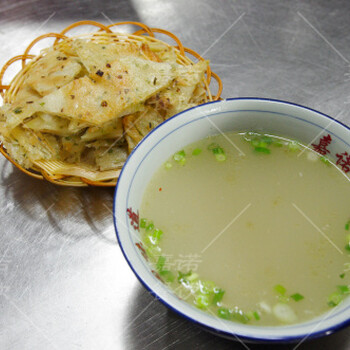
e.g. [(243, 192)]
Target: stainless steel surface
[(63, 281)]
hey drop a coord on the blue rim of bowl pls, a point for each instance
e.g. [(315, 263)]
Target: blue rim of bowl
[(231, 335)]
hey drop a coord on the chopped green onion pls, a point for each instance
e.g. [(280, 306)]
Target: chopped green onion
[(167, 275), (347, 226), (280, 289), (224, 313), (293, 146), (196, 151), (278, 143), (218, 152), (206, 287), (156, 235), (179, 155), (347, 247), (218, 295), (240, 316), (262, 150), (168, 165), (182, 277), (256, 315), (160, 263), (202, 301), (193, 277), (153, 251), (334, 299), (143, 223), (343, 289), (250, 315), (267, 139), (263, 144), (18, 110), (255, 142), (42, 104), (342, 275), (153, 236), (220, 157), (325, 160), (150, 226), (297, 296)]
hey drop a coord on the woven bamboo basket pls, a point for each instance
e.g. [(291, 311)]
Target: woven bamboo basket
[(104, 34)]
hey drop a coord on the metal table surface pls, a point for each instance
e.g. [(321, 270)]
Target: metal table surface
[(64, 283)]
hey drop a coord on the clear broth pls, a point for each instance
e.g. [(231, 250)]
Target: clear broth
[(251, 223)]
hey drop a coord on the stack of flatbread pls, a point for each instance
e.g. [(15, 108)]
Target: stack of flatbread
[(83, 105)]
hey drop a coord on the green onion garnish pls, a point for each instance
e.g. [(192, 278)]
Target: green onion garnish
[(180, 157), (240, 316), (206, 287), (343, 289), (218, 295), (278, 143), (167, 275), (18, 110), (280, 289), (182, 277), (293, 146), (297, 296), (220, 157), (267, 140), (150, 226), (153, 235), (335, 299), (262, 150), (143, 223), (196, 151), (168, 165), (342, 275), (255, 142), (224, 313), (218, 151), (202, 301), (347, 226), (261, 142), (156, 235), (325, 160), (152, 251), (256, 315), (160, 263)]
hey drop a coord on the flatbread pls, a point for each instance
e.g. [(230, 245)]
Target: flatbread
[(85, 104), (120, 90)]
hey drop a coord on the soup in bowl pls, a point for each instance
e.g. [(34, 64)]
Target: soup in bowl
[(236, 215)]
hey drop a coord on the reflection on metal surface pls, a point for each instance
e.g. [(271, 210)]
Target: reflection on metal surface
[(59, 260)]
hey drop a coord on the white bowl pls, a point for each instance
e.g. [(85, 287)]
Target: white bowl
[(242, 114)]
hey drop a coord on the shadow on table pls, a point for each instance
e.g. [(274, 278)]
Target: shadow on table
[(62, 208), (151, 325)]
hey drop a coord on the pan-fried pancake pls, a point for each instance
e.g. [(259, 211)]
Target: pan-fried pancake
[(84, 105)]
